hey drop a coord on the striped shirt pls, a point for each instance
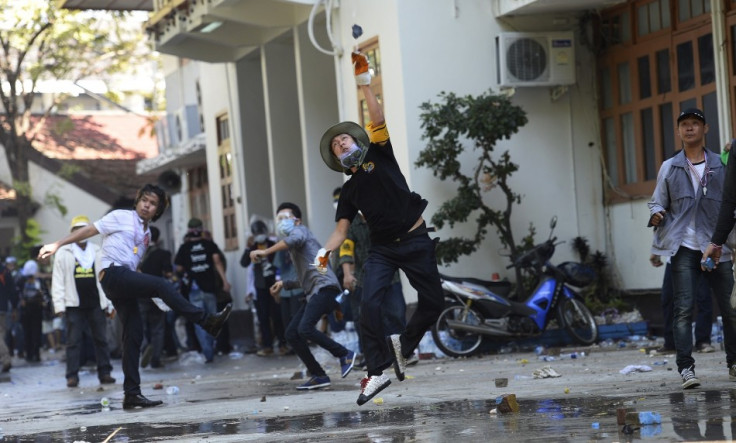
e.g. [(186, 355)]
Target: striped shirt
[(124, 240)]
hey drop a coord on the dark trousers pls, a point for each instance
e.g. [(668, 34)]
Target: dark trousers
[(416, 257), (269, 319), (31, 318), (303, 328), (124, 287), (154, 323), (685, 273), (394, 311), (290, 306), (76, 321), (704, 316)]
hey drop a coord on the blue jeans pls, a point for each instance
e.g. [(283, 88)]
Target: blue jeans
[(704, 319), (685, 275), (416, 257), (207, 301), (303, 328)]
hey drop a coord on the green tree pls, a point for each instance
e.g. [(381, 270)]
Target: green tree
[(481, 121), (41, 42)]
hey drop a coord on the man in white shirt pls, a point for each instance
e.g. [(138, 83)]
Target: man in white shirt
[(125, 237)]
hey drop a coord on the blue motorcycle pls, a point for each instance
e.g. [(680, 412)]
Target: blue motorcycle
[(480, 308)]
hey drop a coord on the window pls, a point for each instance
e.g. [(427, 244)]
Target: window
[(199, 195), (692, 8), (225, 164), (372, 50), (665, 67), (653, 17), (199, 106)]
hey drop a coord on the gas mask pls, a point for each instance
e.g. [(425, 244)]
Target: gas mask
[(353, 157)]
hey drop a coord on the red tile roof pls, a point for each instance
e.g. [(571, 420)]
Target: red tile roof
[(103, 149), (99, 136)]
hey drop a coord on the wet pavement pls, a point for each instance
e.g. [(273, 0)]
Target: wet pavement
[(248, 398)]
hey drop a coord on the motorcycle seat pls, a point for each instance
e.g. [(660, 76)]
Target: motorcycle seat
[(502, 288)]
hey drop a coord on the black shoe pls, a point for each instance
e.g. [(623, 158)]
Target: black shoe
[(139, 401), (213, 323)]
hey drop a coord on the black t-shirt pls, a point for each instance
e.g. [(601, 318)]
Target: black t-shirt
[(156, 261), (379, 190), (264, 272), (196, 258), (86, 283)]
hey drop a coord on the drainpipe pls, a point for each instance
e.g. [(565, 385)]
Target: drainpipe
[(720, 47)]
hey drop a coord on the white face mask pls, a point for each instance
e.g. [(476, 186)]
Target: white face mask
[(261, 238), (352, 157), (285, 226)]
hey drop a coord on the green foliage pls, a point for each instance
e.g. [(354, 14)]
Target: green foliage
[(22, 245), (63, 126), (55, 201), (480, 121), (68, 170), (40, 41)]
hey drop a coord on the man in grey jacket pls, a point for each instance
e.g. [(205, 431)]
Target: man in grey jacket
[(320, 288), (78, 296), (683, 211)]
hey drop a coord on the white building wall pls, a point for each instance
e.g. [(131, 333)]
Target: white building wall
[(430, 47), (54, 225), (427, 48), (219, 95)]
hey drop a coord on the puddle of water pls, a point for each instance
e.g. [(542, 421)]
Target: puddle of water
[(696, 415)]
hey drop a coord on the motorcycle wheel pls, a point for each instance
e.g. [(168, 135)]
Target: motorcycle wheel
[(577, 319), (454, 342)]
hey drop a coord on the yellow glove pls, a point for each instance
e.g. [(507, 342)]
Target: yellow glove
[(362, 68)]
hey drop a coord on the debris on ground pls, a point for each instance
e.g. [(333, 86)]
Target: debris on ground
[(635, 368), (546, 372)]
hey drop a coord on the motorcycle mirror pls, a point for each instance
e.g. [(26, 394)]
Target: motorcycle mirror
[(552, 224)]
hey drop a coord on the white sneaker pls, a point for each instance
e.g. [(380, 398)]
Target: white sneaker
[(394, 344), (370, 386), (689, 380)]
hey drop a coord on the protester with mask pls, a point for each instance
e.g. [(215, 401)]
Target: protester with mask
[(78, 297), (320, 288), (264, 276), (399, 236)]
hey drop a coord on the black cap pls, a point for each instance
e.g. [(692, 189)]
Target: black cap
[(691, 112)]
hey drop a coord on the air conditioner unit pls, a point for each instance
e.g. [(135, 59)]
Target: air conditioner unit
[(535, 58)]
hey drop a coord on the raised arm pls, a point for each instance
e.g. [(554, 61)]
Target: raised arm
[(73, 237), (363, 79)]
